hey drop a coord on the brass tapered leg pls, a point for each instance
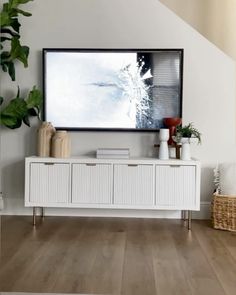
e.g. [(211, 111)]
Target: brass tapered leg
[(42, 212), (184, 215), (42, 215), (34, 216), (189, 219), (0, 237)]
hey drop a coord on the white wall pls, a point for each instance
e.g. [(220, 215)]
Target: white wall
[(208, 99)]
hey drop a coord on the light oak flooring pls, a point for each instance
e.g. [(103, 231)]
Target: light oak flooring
[(116, 256)]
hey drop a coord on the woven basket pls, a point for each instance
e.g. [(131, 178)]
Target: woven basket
[(223, 212)]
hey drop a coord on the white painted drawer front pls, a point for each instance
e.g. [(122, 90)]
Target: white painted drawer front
[(91, 183), (134, 184), (49, 183), (176, 186)]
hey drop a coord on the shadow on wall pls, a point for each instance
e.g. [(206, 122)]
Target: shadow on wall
[(13, 179), (207, 185), (147, 144), (30, 140)]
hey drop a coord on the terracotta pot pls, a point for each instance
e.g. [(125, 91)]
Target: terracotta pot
[(172, 123)]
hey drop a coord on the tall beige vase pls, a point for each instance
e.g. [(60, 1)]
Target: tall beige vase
[(61, 145), (45, 133)]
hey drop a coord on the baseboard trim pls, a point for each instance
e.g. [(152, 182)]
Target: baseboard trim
[(16, 207)]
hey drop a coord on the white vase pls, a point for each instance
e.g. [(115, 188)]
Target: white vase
[(164, 151), (186, 151)]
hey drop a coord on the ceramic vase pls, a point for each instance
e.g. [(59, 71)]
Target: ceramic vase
[(164, 151), (44, 134), (186, 151), (61, 145)]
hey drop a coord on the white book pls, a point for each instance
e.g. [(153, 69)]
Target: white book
[(115, 156), (113, 151)]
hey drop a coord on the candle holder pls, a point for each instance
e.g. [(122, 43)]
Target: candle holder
[(164, 150)]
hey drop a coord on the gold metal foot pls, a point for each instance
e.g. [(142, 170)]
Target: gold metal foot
[(42, 212), (189, 219), (34, 216), (0, 238), (184, 215)]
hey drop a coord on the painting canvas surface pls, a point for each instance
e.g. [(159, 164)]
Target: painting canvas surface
[(112, 90)]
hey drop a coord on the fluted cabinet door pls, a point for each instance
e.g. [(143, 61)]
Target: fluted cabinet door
[(176, 186), (49, 183), (133, 184), (91, 183)]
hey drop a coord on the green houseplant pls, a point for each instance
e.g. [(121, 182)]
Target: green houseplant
[(187, 131), (19, 109), (185, 135)]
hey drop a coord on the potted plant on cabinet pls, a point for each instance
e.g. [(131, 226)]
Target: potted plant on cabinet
[(186, 135)]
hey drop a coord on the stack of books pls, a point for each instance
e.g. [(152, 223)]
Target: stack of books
[(113, 153)]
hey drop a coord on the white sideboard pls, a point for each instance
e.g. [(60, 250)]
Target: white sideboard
[(135, 183)]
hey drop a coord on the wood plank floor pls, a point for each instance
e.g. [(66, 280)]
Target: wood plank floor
[(116, 256)]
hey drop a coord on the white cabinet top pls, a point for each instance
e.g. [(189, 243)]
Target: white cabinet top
[(131, 160)]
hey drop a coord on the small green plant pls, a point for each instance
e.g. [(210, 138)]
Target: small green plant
[(187, 131)]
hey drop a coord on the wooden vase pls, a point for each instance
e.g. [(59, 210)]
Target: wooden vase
[(61, 145), (45, 133)]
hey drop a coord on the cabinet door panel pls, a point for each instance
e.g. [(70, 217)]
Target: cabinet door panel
[(49, 183), (91, 183), (133, 184), (176, 186)]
